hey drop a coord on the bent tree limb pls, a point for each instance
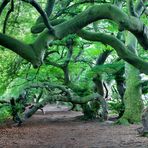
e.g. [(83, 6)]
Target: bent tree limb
[(48, 86), (35, 108), (75, 100), (20, 48), (104, 11), (69, 97), (122, 51)]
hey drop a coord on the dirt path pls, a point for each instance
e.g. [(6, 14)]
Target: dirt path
[(59, 128)]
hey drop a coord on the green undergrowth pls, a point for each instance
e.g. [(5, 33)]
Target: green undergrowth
[(5, 113)]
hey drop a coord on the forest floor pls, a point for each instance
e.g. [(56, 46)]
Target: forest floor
[(60, 128)]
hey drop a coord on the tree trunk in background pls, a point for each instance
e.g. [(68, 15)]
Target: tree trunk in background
[(99, 86), (132, 96), (121, 89), (99, 89)]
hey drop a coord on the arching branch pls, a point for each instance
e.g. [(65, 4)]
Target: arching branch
[(20, 48), (104, 11), (120, 48)]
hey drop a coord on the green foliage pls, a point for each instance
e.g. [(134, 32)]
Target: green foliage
[(5, 113), (94, 50), (81, 90), (19, 108), (7, 58), (15, 88), (115, 106), (88, 112), (145, 134), (91, 110), (108, 68), (122, 121)]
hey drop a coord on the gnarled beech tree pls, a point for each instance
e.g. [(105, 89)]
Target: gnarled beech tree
[(34, 52)]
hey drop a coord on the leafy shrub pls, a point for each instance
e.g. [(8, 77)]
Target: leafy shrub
[(5, 113), (116, 106)]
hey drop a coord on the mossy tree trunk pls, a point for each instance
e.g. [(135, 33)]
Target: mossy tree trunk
[(132, 96)]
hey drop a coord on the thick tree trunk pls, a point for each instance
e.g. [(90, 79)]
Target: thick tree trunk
[(132, 96)]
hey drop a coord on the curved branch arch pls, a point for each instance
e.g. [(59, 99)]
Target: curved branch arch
[(104, 11), (122, 51)]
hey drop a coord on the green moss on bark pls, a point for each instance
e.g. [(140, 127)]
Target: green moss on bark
[(132, 97)]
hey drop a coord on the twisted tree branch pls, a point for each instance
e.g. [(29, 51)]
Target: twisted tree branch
[(42, 13)]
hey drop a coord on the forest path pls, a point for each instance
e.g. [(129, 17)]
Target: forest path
[(60, 128)]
